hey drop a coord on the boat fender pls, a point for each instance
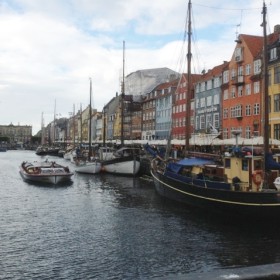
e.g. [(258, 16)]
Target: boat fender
[(257, 177)]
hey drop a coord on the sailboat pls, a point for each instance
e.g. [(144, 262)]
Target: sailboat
[(88, 165), (238, 186), (126, 160)]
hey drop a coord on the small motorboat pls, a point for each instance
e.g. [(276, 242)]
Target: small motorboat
[(45, 172)]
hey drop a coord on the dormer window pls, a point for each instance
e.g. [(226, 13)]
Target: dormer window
[(273, 54), (238, 54)]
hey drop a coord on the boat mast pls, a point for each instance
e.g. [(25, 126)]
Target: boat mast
[(54, 118), (122, 99), (90, 93), (188, 95), (265, 89), (81, 124)]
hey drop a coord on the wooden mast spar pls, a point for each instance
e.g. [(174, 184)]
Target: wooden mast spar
[(188, 94), (265, 96), (90, 113)]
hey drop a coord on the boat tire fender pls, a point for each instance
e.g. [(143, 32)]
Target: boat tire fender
[(257, 177)]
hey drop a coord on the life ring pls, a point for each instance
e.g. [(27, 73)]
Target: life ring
[(257, 177)]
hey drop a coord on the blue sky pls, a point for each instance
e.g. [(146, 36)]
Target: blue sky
[(49, 49)]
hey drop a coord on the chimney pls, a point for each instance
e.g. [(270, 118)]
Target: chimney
[(277, 28)]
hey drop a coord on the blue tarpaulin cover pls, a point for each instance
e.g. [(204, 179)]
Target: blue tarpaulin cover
[(188, 162), (271, 164)]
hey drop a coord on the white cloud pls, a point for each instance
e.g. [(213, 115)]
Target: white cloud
[(49, 49)]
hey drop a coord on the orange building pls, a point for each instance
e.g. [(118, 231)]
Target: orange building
[(241, 89)]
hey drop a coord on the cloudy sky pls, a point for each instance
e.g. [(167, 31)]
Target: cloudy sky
[(49, 49)]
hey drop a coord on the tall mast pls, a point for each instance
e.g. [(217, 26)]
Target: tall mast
[(81, 124), (54, 117), (188, 95), (122, 98), (90, 93), (266, 135)]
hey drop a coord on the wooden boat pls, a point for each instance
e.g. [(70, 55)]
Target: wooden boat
[(240, 184), (45, 172), (87, 164), (126, 161)]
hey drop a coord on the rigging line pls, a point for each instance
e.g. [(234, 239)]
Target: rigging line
[(227, 9)]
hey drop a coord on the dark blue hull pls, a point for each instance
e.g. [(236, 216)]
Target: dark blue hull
[(264, 203)]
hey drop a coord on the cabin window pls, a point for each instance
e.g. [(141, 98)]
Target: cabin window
[(227, 163), (257, 165), (245, 164)]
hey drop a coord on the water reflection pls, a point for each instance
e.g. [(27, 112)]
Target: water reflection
[(112, 227)]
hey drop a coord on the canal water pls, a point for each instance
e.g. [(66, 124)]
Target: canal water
[(112, 227)]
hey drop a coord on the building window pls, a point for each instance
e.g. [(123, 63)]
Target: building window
[(225, 94), (240, 91), (256, 87), (216, 120), (202, 122), (248, 89), (209, 100), (225, 133), (209, 85), (273, 54), (216, 99), (225, 115), (208, 119), (233, 74), (277, 131), (277, 75), (248, 132), (202, 102), (248, 110), (276, 102), (216, 82), (240, 71), (226, 77), (248, 69), (233, 92), (256, 109), (257, 66), (238, 111)]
